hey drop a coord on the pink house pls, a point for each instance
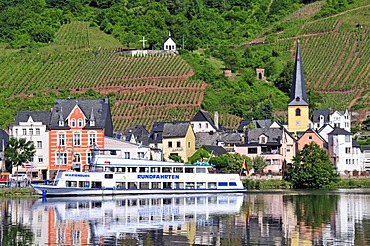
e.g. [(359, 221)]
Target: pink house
[(311, 136)]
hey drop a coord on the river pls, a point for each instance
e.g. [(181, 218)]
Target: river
[(338, 217)]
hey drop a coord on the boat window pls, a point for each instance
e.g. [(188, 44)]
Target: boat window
[(222, 183), (156, 185), (144, 185), (144, 202), (200, 170), (96, 204), (71, 183), (109, 169), (120, 185), (85, 184), (167, 185), (201, 185), (120, 169), (156, 201), (96, 184), (232, 183), (166, 169), (201, 200), (189, 170), (131, 169), (212, 185), (99, 169), (177, 169), (189, 185), (190, 200), (143, 169), (154, 169), (179, 185), (132, 185), (108, 176)]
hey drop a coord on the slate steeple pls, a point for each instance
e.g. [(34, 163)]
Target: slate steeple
[(298, 95)]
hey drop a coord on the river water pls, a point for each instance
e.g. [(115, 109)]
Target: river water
[(339, 217)]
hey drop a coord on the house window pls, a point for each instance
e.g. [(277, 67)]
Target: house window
[(192, 125), (73, 123), (263, 139), (24, 131), (348, 150), (298, 112), (127, 155), (188, 144), (178, 144), (79, 122), (206, 125), (92, 139), (252, 150), (76, 158), (37, 131), (61, 158), (16, 132), (61, 139), (200, 125), (39, 144), (310, 137), (140, 155), (170, 144), (88, 157), (288, 148), (76, 139), (40, 158), (31, 131), (348, 138)]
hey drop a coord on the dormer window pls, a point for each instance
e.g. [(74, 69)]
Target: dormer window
[(73, 123), (263, 139), (61, 123), (80, 123), (92, 122)]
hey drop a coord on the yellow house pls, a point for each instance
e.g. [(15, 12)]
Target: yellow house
[(298, 106), (178, 138)]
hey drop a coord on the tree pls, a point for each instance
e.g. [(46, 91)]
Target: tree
[(200, 155), (176, 158), (230, 162), (19, 151), (284, 81), (311, 168), (259, 164)]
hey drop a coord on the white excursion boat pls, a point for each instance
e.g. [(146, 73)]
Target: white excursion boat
[(110, 174)]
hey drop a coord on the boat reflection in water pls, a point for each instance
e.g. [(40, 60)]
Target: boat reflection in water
[(124, 220)]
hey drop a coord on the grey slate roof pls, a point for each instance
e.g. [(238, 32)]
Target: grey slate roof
[(298, 95), (355, 144), (139, 132), (4, 137), (339, 131), (258, 123), (37, 116), (155, 135), (273, 134), (205, 138), (99, 109), (316, 115), (202, 115), (216, 150), (175, 129)]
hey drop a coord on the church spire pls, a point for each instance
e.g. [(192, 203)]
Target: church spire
[(298, 95)]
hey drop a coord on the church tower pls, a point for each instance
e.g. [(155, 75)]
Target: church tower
[(298, 106)]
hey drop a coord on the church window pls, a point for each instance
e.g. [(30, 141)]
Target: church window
[(298, 112), (298, 99)]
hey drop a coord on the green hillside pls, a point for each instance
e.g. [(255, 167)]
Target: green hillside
[(77, 52)]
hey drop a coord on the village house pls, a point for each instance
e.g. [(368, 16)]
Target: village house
[(33, 126), (332, 118), (75, 127), (309, 136), (202, 122), (169, 44), (134, 134), (128, 150)]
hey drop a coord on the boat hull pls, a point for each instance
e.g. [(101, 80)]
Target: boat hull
[(51, 190)]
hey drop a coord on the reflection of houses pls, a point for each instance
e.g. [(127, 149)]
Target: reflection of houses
[(4, 138), (75, 127), (32, 125)]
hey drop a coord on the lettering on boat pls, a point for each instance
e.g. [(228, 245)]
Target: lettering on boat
[(153, 176), (77, 175)]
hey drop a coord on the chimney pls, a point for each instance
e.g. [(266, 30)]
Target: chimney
[(216, 120)]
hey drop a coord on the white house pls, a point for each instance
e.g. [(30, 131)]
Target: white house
[(32, 125), (344, 152), (131, 150), (169, 44), (202, 122), (335, 119)]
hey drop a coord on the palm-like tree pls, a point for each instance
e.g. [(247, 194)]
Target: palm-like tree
[(19, 151)]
